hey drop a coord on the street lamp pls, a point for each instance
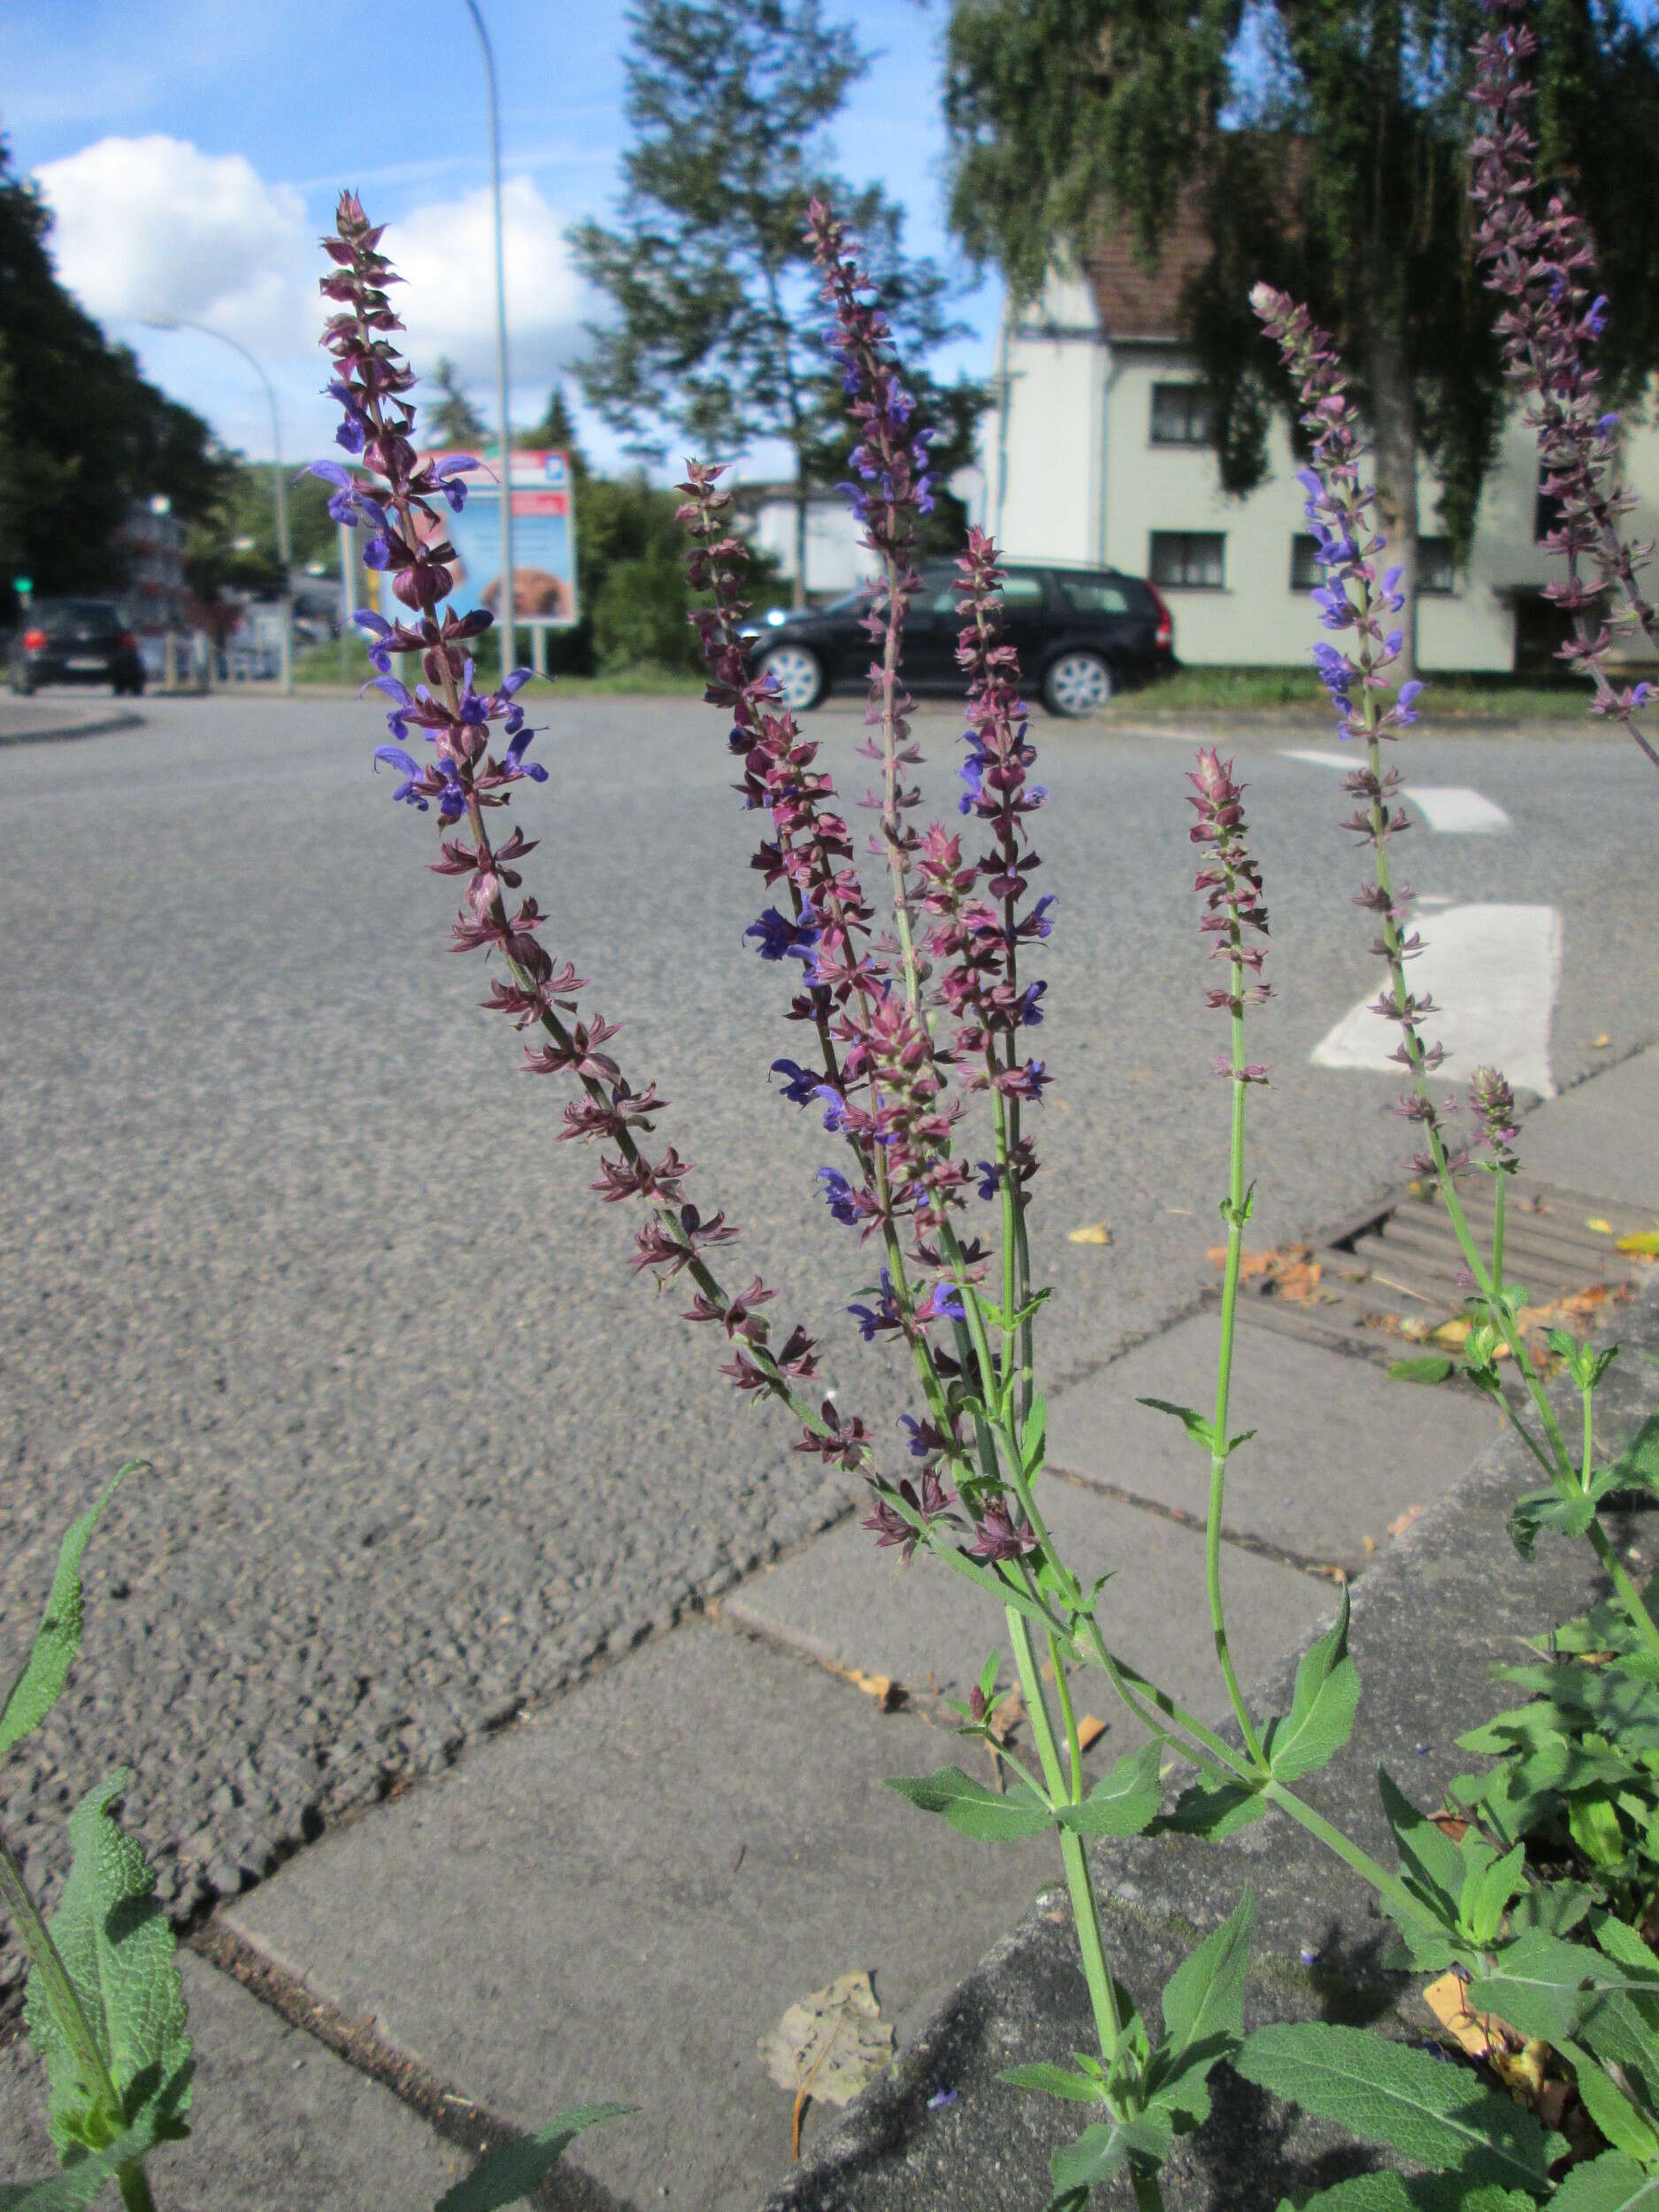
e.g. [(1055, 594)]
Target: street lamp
[(278, 483), (509, 646)]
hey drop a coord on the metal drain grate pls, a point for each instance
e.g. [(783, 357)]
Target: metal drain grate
[(1382, 1283)]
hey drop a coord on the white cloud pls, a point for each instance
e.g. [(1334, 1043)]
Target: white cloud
[(154, 226), (445, 252)]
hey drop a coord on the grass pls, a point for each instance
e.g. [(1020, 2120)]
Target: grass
[(1449, 698), (347, 663)]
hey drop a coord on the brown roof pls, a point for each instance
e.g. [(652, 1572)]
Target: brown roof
[(1133, 301)]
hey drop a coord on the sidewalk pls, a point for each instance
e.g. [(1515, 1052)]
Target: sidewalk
[(617, 1896)]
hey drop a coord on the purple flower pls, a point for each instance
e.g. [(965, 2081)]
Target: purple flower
[(804, 1083), (516, 763), (395, 756), (1000, 1537), (839, 1195), (781, 938)]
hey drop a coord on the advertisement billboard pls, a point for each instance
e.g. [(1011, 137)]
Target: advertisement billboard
[(543, 542)]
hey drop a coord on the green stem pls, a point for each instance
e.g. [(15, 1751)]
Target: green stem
[(1498, 1199), (134, 2185), (1085, 1911), (61, 1996), (1351, 1853), (1589, 1433), (1149, 2196), (1223, 1370), (1068, 1714)]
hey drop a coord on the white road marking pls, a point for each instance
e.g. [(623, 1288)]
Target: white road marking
[(1452, 808), (1496, 970)]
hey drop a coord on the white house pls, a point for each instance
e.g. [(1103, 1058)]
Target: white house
[(1098, 453), (835, 560)]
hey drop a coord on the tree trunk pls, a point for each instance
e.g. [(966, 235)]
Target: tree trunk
[(1393, 403), (798, 600)]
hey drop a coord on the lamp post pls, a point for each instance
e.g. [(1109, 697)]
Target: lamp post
[(278, 482), (509, 645)]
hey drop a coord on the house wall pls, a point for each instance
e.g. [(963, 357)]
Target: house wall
[(835, 559), (1085, 482)]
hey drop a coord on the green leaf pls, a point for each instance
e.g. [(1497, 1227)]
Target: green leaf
[(1625, 2128), (1428, 2109), (1201, 1431), (1214, 1811), (1637, 1462), (117, 1948), (1099, 2152), (73, 2186), (1031, 1445), (1432, 1368), (1569, 1517), (1433, 1864), (1595, 1827), (1124, 1801), (1386, 2190), (512, 2170), (1555, 1990), (1322, 1706), (57, 1640), (1054, 2081), (1489, 1887), (1608, 2183), (974, 1810), (1203, 2015)]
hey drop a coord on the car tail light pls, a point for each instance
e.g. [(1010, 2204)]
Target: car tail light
[(33, 641), (1165, 636), (128, 642)]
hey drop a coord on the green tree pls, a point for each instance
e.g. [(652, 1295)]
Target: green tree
[(454, 421), (555, 431), (81, 432), (716, 334), (1326, 142)]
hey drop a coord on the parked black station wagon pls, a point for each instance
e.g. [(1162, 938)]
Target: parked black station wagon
[(1082, 634), (74, 641)]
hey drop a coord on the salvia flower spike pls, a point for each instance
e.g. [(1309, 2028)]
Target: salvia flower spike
[(1542, 268), (399, 496)]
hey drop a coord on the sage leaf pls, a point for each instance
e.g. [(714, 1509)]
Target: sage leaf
[(1611, 2183), (57, 1639), (1214, 1811), (1201, 1431), (1124, 1802), (974, 1810), (116, 1947), (1322, 1706), (512, 2170), (1054, 2081), (1428, 2109), (1203, 2015)]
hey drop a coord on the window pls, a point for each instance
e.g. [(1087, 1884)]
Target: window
[(1547, 512), (1436, 573), (1188, 560), (1307, 570), (1021, 594), (1182, 414), (1094, 594)]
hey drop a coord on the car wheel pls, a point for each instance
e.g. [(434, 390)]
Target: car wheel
[(798, 673), (1078, 683)]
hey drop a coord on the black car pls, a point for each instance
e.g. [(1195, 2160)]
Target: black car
[(74, 641), (1082, 634)]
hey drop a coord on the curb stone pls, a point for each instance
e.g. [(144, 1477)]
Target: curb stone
[(1450, 1597), (95, 725)]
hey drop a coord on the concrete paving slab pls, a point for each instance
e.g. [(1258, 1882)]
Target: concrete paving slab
[(280, 2124), (1599, 1137), (1339, 1453), (619, 1897), (841, 1602)]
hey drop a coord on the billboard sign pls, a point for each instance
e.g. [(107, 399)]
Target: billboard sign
[(543, 542)]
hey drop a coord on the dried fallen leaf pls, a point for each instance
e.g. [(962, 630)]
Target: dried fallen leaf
[(1602, 1228), (1250, 1263), (1453, 1333), (1298, 1281), (1402, 1522), (1094, 1232), (1370, 1543), (1006, 1715), (887, 1693), (1599, 1044), (1478, 2033), (1089, 1731), (829, 2046)]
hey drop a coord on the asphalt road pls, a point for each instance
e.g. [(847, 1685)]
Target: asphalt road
[(277, 1213)]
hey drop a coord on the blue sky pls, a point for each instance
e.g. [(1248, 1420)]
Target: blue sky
[(191, 151)]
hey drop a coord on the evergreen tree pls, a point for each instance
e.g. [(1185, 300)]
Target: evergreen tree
[(455, 422), (717, 336), (556, 432), (1328, 150)]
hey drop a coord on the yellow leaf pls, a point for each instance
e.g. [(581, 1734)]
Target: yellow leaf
[(1478, 2033), (1598, 1044), (1095, 1232), (1089, 1731), (1402, 1522), (1643, 1241), (1602, 1228), (1454, 1332)]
